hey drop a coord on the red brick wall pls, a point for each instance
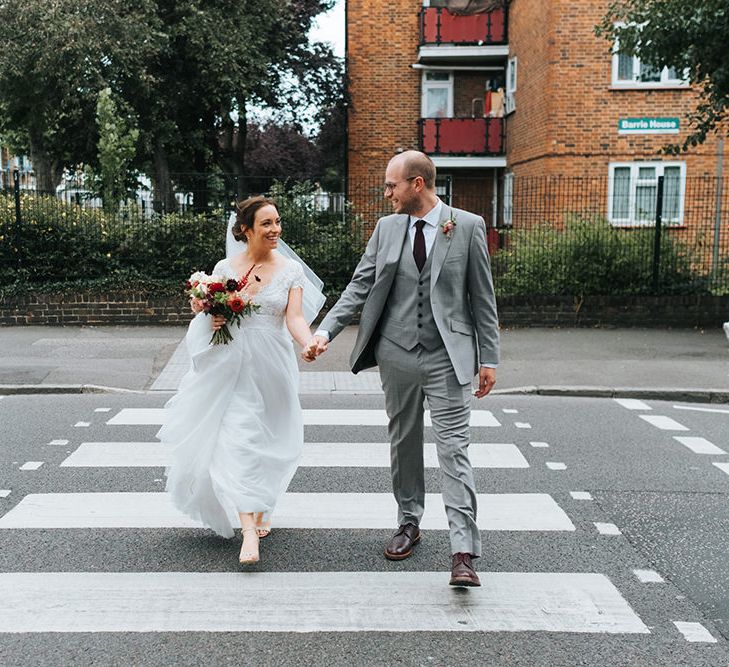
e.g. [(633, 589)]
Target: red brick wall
[(566, 119), (382, 42), (117, 307)]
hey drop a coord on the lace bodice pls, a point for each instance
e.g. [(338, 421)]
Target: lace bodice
[(272, 297)]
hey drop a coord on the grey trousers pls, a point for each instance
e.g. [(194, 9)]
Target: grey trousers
[(408, 379)]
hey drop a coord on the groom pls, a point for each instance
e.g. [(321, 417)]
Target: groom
[(428, 320)]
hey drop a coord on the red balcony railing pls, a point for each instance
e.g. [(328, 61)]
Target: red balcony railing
[(439, 26), (462, 136)]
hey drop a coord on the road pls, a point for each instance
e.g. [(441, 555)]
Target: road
[(603, 521)]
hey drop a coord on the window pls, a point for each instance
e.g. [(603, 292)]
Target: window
[(630, 72), (633, 188), (443, 183), (509, 99), (508, 198), (437, 99)]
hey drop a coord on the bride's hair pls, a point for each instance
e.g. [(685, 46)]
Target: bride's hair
[(245, 214)]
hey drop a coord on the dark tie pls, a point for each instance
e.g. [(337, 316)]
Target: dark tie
[(419, 245)]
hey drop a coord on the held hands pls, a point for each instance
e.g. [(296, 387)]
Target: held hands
[(317, 345), (218, 321), (486, 381)]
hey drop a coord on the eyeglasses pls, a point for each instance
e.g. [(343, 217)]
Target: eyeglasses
[(392, 186)]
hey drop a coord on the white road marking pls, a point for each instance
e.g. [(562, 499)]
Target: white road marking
[(607, 528), (539, 444), (4, 493), (31, 465), (664, 423), (156, 416), (648, 576), (311, 602), (581, 495), (315, 454), (723, 411), (556, 465), (58, 442), (723, 466), (82, 424), (632, 404), (508, 511), (510, 411), (522, 425), (694, 632), (102, 410), (699, 445)]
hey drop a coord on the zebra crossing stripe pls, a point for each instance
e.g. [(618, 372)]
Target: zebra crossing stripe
[(664, 423), (699, 445), (315, 454), (502, 512), (311, 602), (156, 417)]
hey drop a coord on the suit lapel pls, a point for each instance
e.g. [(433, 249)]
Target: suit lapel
[(396, 238), (441, 246)]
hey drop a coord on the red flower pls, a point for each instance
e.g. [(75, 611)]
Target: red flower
[(215, 287), (236, 304)]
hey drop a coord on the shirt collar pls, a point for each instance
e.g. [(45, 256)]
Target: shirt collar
[(432, 217)]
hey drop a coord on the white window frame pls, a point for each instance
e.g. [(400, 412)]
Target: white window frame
[(635, 82), (428, 85), (508, 204), (511, 81), (630, 221)]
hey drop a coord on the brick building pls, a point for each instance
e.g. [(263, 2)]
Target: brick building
[(509, 99)]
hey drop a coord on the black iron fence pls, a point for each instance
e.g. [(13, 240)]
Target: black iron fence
[(629, 234)]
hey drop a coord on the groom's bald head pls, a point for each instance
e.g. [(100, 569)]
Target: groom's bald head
[(415, 163)]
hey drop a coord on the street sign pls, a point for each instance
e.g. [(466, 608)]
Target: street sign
[(648, 125)]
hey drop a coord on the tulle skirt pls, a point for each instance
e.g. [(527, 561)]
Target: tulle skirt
[(235, 425)]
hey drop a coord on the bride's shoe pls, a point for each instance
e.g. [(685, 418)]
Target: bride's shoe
[(263, 528), (248, 557)]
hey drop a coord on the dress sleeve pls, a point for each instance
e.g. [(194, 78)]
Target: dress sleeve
[(220, 267), (297, 278)]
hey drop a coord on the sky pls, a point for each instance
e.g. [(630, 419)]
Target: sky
[(329, 27)]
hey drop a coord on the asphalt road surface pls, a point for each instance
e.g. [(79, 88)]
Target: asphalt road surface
[(604, 525)]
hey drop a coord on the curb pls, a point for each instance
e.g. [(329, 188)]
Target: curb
[(23, 389), (654, 394)]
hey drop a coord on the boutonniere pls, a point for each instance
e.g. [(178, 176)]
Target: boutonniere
[(449, 226)]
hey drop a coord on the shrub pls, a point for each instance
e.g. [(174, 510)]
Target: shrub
[(589, 256)]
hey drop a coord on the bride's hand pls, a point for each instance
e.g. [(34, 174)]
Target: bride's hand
[(218, 321)]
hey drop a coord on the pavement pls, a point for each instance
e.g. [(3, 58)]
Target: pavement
[(669, 364)]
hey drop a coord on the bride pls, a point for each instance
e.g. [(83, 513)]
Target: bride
[(235, 424)]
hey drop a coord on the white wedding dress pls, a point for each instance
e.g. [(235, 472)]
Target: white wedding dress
[(235, 424)]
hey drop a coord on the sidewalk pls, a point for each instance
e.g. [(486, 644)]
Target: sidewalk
[(681, 364)]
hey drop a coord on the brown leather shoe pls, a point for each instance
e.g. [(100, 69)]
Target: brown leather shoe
[(402, 542), (462, 572)]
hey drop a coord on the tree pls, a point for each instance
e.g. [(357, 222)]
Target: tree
[(56, 56), (686, 36), (220, 56), (117, 147)]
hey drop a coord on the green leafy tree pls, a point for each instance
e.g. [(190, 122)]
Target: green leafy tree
[(116, 150), (55, 57), (684, 35)]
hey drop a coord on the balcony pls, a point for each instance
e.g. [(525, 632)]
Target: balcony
[(463, 138), (438, 26)]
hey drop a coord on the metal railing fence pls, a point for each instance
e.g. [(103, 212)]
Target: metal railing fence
[(547, 236)]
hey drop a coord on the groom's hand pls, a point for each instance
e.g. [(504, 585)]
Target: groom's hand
[(486, 381), (316, 346)]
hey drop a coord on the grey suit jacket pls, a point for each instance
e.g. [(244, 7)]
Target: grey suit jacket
[(461, 292)]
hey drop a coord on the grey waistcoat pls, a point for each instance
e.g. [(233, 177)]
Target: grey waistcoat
[(408, 316)]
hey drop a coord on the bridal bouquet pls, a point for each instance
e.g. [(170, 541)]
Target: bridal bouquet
[(220, 295)]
